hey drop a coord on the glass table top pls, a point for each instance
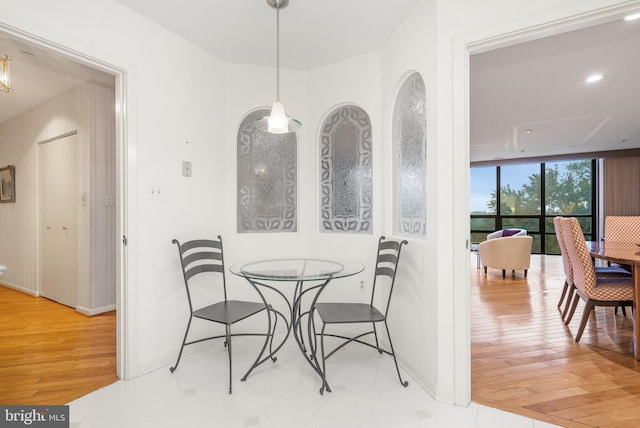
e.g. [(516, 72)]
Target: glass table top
[(297, 269)]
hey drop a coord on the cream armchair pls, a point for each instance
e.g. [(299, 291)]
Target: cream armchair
[(508, 253)]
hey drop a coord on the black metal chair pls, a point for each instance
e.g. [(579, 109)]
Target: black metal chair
[(206, 256), (387, 258)]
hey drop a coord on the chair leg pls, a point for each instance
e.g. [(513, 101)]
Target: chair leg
[(568, 302), (624, 311), (574, 304), (485, 270), (228, 332), (564, 292), (503, 272), (186, 333), (585, 317), (525, 273), (393, 354), (375, 335)]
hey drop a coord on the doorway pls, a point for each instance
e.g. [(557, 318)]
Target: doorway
[(76, 65)]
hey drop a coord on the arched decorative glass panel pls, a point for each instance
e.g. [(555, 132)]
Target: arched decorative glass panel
[(267, 179), (345, 168), (410, 147)]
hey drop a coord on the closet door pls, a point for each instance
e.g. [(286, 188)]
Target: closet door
[(59, 220)]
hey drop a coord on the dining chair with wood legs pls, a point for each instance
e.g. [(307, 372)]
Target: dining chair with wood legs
[(568, 289), (594, 290)]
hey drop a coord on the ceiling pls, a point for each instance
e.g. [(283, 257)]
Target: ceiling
[(531, 99), (527, 100), (38, 74), (312, 32)]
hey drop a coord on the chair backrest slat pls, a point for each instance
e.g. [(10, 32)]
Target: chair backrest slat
[(387, 258), (201, 256), (189, 245), (191, 272), (390, 272)]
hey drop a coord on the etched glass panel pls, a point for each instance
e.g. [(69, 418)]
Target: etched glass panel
[(345, 171), (267, 174), (410, 147)]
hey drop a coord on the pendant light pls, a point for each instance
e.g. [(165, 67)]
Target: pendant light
[(5, 75), (277, 122)]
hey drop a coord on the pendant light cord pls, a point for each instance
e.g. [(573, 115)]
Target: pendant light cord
[(278, 52)]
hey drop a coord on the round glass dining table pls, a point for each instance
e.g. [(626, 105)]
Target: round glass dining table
[(310, 276)]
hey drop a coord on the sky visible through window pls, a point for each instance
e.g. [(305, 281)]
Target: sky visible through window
[(483, 181)]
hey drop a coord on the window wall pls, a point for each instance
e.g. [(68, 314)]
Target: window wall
[(529, 196)]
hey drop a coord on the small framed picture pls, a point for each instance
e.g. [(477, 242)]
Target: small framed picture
[(8, 184)]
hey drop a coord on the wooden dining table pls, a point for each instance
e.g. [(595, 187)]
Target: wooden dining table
[(627, 253)]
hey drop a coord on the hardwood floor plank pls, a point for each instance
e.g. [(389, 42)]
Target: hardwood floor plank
[(52, 354)]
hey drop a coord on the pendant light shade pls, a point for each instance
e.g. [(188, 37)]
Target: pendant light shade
[(277, 122)]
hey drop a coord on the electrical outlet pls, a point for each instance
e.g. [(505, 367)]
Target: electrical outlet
[(362, 285)]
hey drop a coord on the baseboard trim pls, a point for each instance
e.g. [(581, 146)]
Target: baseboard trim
[(95, 311), (20, 289)]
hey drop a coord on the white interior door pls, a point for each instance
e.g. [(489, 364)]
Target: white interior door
[(59, 220)]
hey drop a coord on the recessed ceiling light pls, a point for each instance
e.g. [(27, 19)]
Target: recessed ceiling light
[(594, 78), (528, 131), (632, 17)]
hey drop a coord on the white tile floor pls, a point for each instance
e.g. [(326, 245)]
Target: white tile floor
[(366, 393)]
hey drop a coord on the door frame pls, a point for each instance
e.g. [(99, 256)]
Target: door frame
[(126, 164)]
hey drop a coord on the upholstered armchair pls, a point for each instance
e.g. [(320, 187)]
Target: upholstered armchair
[(508, 253)]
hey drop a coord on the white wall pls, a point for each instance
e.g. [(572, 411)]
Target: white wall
[(412, 49), (205, 103)]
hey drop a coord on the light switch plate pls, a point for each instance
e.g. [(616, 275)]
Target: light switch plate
[(186, 169)]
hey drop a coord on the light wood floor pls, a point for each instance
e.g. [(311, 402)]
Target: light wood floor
[(525, 360), (51, 354)]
